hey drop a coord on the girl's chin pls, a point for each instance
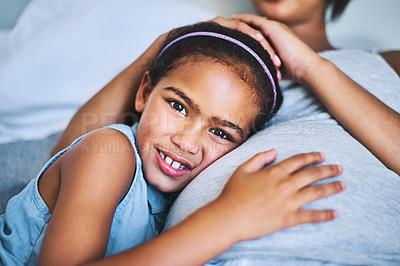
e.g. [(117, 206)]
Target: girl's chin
[(163, 185)]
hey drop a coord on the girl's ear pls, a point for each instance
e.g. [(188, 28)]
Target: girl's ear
[(143, 93)]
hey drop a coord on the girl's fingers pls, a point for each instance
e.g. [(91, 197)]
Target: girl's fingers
[(312, 174), (313, 216), (313, 193), (258, 161), (298, 162)]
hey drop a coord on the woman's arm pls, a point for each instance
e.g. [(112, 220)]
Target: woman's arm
[(114, 103), (368, 119)]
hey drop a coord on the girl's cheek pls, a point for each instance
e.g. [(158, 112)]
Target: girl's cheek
[(149, 123), (215, 151)]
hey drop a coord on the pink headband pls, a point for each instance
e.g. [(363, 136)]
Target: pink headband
[(232, 40)]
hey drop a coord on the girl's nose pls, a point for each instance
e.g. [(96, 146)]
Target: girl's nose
[(187, 141)]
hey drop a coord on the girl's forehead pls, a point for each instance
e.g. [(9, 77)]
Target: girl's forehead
[(223, 76), (210, 78), (214, 89)]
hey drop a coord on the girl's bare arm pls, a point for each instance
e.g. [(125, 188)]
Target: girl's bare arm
[(256, 201), (95, 174)]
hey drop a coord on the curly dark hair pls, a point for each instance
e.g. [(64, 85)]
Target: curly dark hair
[(196, 49)]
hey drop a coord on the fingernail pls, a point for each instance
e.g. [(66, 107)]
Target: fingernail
[(279, 75), (259, 37), (233, 16), (335, 214), (343, 185), (340, 169), (322, 155), (277, 61)]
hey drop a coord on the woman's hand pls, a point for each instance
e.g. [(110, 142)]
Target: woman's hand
[(296, 56), (254, 33), (364, 116), (259, 201)]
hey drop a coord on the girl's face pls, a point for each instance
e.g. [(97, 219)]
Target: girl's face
[(291, 12), (192, 117)]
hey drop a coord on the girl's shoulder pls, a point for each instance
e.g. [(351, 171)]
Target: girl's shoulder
[(96, 173), (105, 144), (100, 155)]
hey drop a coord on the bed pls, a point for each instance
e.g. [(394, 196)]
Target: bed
[(60, 53)]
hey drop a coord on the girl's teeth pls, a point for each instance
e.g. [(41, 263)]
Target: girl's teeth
[(176, 165), (168, 160), (171, 162)]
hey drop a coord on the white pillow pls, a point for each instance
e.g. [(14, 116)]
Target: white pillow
[(62, 52)]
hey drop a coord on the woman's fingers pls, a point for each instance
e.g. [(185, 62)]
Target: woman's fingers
[(252, 19), (296, 56), (255, 34), (246, 29), (315, 192)]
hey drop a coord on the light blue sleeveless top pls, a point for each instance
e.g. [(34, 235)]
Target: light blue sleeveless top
[(138, 218)]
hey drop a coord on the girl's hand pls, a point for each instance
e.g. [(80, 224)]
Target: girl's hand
[(254, 33), (259, 201), (296, 56)]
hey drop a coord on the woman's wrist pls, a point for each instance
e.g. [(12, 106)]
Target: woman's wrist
[(312, 71)]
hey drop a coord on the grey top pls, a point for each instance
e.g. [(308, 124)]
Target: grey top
[(367, 230)]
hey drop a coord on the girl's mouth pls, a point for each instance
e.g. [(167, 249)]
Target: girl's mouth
[(170, 166)]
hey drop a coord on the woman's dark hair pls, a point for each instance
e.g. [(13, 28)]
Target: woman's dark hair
[(196, 49), (337, 8)]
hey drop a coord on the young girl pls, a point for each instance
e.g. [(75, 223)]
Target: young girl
[(209, 89)]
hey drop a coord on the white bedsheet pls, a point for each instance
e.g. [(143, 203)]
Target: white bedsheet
[(3, 35), (60, 53)]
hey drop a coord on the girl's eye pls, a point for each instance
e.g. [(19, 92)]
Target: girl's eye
[(221, 134), (178, 107)]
